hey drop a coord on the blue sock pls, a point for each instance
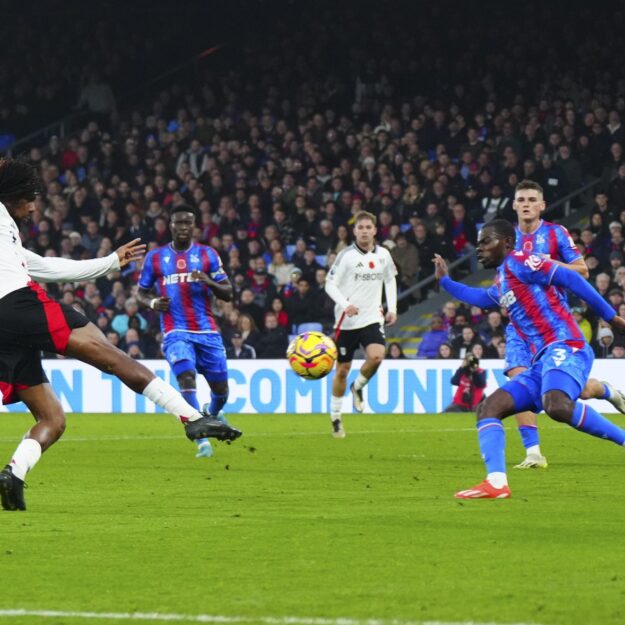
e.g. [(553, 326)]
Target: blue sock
[(606, 392), (587, 419), (190, 394), (492, 438), (529, 435), (217, 403)]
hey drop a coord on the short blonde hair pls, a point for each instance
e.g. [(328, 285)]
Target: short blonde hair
[(362, 215)]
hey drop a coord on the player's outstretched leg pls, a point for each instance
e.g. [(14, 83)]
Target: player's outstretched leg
[(48, 412), (527, 423), (89, 345), (339, 385), (492, 441), (595, 389), (374, 357)]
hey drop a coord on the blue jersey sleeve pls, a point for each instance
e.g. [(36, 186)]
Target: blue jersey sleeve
[(469, 294), (566, 247), (215, 267), (147, 278)]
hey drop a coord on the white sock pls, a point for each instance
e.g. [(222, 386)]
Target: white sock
[(169, 399), (336, 405), (360, 381), (497, 479), (534, 449), (25, 457)]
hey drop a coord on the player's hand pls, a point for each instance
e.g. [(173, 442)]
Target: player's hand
[(130, 252), (618, 324), (390, 318), (161, 304), (440, 267), (200, 276), (351, 310)]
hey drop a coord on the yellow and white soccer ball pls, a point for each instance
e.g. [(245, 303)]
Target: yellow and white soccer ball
[(311, 355)]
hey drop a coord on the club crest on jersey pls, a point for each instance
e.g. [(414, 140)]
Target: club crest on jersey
[(195, 258), (534, 262), (371, 265), (181, 263), (540, 239)]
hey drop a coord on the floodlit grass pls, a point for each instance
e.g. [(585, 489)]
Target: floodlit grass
[(288, 521)]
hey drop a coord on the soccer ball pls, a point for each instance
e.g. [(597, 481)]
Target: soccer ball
[(311, 355)]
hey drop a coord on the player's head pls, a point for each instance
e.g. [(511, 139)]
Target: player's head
[(365, 228), (181, 224), (528, 201), (495, 241), (19, 187)]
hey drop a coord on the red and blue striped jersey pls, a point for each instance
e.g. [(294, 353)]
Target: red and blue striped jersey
[(535, 307), (169, 272), (548, 239)]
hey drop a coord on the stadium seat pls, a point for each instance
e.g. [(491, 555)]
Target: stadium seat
[(289, 251), (322, 259), (405, 227), (311, 326)]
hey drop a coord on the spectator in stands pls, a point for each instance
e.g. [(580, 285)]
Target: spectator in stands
[(582, 322), (121, 322), (603, 343), (277, 307), (239, 350), (450, 309), (496, 206), (248, 330), (464, 234), (301, 305), (445, 352), (618, 349), (406, 257), (492, 326), (395, 352), (280, 269), (248, 306), (432, 339), (462, 345), (273, 340)]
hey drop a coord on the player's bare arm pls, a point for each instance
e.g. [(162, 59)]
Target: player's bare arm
[(222, 290), (146, 298), (130, 252)]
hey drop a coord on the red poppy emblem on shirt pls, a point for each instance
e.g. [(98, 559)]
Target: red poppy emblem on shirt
[(181, 263), (527, 246), (371, 265)]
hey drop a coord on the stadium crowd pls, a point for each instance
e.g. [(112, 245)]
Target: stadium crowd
[(276, 155)]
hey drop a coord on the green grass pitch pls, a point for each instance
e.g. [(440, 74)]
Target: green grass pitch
[(289, 522)]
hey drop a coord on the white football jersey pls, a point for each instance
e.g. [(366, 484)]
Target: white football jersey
[(19, 266), (356, 277)]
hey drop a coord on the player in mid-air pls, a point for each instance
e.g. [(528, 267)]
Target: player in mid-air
[(528, 287), (355, 284), (31, 322), (185, 275), (542, 238)]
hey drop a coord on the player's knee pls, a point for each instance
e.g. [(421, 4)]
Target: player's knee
[(376, 360), (220, 388), (186, 380), (492, 407), (558, 406)]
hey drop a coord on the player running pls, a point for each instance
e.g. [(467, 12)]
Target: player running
[(30, 322), (527, 285), (355, 284), (542, 238), (185, 275)]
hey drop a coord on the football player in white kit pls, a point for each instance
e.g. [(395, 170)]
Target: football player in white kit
[(355, 284), (31, 322)]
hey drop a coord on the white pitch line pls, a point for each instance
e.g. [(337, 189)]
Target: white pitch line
[(218, 618)]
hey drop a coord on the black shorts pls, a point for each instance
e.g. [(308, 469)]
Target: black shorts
[(31, 322), (29, 318), (20, 368), (349, 341)]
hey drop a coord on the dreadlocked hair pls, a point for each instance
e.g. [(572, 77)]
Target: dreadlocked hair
[(19, 181)]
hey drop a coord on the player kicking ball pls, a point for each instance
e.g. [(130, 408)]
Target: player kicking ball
[(355, 284), (185, 274), (527, 285), (536, 236), (31, 322)]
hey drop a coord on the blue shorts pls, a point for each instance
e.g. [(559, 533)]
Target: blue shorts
[(517, 351), (204, 353), (560, 367)]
